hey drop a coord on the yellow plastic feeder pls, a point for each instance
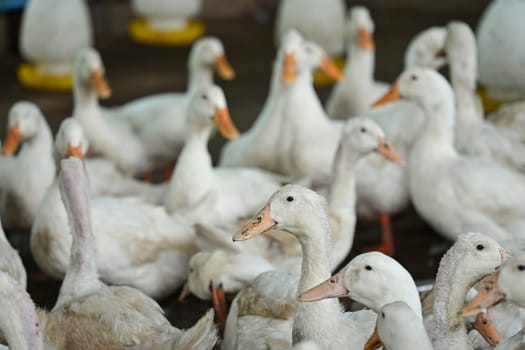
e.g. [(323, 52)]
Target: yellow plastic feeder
[(143, 33), (29, 76)]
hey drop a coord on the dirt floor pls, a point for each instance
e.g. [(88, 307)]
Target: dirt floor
[(135, 71)]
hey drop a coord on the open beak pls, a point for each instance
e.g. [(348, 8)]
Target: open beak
[(75, 151), (224, 123), (373, 342), (290, 64), (485, 327), (390, 96), (261, 223), (223, 68), (12, 142), (331, 288), (490, 295), (184, 293), (384, 148), (366, 41), (100, 84), (329, 68)]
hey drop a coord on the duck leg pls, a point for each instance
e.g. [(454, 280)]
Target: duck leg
[(219, 305), (387, 237), (373, 342), (166, 173)]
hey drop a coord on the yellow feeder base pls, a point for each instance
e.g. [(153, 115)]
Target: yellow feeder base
[(321, 79), (141, 32), (30, 77), (490, 104)]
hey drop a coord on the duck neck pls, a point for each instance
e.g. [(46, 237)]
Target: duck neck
[(341, 196), (81, 276), (84, 97), (450, 290), (193, 172), (466, 105), (39, 147), (18, 319), (360, 67), (200, 75)]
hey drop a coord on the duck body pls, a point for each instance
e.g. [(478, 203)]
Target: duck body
[(23, 189), (468, 192), (500, 54), (213, 195), (67, 22), (10, 262), (319, 21), (355, 93)]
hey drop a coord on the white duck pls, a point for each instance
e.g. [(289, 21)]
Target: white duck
[(159, 120), (138, 244), (426, 49), (68, 23), (302, 213), (456, 193), (10, 261), (320, 21), (473, 135), (218, 195), (501, 54), (104, 177), (472, 257), (23, 189), (86, 307), (399, 328), (260, 146), (107, 136), (355, 93), (372, 279)]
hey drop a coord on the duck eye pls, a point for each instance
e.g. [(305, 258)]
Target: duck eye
[(289, 199), (413, 77), (363, 129), (382, 314), (368, 267), (521, 267), (204, 97), (191, 270), (480, 247)]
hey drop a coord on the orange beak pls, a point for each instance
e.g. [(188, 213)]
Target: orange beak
[(100, 83), (184, 293), (485, 327), (373, 342), (390, 96), (288, 75), (490, 295), (331, 288), (260, 223), (224, 123), (223, 68), (12, 142), (384, 148), (329, 68), (75, 151), (366, 41)]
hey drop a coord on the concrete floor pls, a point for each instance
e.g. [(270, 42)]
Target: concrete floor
[(135, 71)]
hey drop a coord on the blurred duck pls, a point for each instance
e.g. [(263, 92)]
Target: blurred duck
[(213, 195), (355, 93), (263, 144), (10, 261), (108, 137), (400, 328), (105, 179), (159, 120), (452, 192), (320, 21), (473, 135), (138, 244), (88, 314), (301, 212), (23, 187)]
